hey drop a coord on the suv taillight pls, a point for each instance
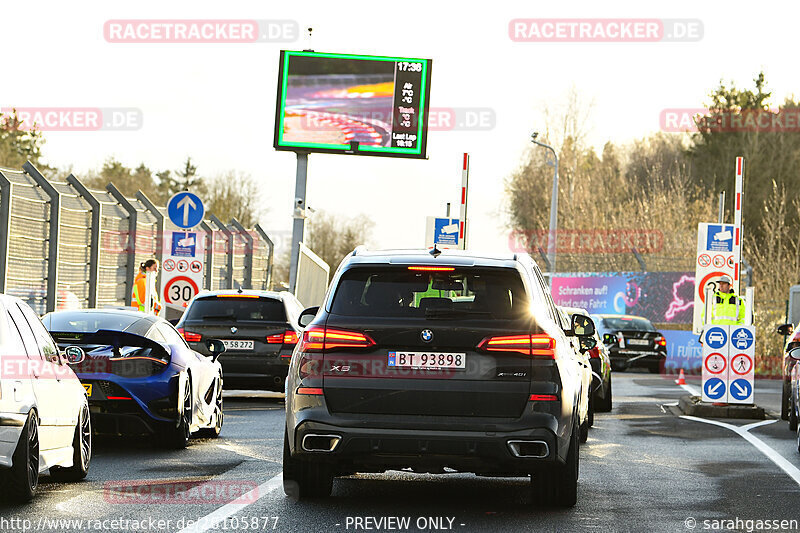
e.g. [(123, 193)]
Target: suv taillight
[(189, 336), (661, 341), (538, 345), (316, 339), (289, 337)]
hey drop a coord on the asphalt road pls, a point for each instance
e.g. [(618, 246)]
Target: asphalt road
[(644, 468)]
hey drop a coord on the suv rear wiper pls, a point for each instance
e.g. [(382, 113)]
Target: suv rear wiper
[(444, 313)]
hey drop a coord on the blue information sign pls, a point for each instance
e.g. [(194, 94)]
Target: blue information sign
[(445, 231)]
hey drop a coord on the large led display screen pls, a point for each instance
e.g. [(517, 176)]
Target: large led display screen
[(353, 104)]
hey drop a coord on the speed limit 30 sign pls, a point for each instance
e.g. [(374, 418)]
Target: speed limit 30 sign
[(179, 290)]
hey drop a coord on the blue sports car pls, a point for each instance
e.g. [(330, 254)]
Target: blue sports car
[(140, 375)]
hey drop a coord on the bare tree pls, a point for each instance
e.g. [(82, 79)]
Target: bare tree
[(235, 195), (333, 236)]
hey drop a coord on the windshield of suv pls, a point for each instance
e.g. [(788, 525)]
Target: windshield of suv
[(237, 309), (634, 324), (459, 293)]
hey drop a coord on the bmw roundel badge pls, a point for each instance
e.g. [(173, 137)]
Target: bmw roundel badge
[(426, 335)]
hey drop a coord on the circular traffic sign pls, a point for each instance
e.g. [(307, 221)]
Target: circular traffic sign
[(715, 363), (183, 265), (741, 389), (704, 260), (742, 338), (703, 282), (741, 364), (179, 290), (714, 388), (169, 265), (730, 261), (716, 337), (719, 261), (196, 267)]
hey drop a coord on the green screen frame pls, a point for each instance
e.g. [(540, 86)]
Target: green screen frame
[(422, 125)]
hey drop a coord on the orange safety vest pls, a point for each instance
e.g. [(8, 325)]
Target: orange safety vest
[(139, 290)]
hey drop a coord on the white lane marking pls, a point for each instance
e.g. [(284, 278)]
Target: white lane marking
[(744, 432), (209, 521), (691, 390), (244, 452)]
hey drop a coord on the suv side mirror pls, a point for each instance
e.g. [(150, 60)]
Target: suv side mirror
[(307, 316), (785, 329), (216, 347), (582, 326), (795, 354)]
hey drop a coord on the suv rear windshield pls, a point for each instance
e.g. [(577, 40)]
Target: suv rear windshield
[(401, 292), (237, 309), (634, 324)]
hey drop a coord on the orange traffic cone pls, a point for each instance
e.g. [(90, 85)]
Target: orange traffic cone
[(681, 378)]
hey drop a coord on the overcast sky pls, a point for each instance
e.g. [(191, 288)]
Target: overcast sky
[(216, 102)]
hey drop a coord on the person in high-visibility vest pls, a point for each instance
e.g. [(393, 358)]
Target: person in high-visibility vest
[(725, 305), (140, 286)]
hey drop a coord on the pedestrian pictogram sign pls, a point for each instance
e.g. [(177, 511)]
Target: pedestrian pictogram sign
[(741, 364)]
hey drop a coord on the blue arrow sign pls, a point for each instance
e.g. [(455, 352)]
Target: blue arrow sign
[(716, 338), (714, 388), (185, 210), (741, 389), (742, 338)]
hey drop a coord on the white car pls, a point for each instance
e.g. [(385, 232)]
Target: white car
[(44, 412), (716, 337)]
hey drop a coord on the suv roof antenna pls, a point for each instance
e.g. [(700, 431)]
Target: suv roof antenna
[(435, 252)]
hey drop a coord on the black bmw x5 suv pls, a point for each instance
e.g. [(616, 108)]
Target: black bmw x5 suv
[(455, 361)]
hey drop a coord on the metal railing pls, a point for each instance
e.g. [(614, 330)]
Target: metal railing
[(64, 246)]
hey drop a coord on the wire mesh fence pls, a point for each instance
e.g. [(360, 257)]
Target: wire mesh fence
[(64, 246)]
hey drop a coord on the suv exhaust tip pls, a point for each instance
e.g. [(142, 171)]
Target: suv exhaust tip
[(320, 443), (529, 448)]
